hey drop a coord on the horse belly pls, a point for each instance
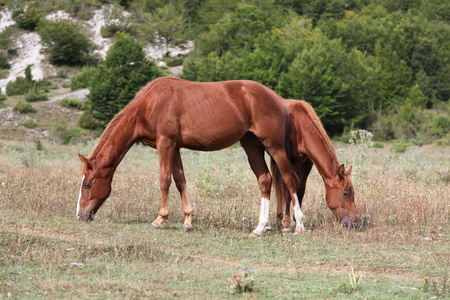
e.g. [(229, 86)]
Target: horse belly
[(213, 132)]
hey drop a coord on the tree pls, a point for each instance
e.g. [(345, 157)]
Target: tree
[(124, 73), (64, 42), (166, 26)]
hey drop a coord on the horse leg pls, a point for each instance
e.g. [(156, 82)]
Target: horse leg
[(166, 149), (255, 154), (290, 180), (180, 181), (302, 169)]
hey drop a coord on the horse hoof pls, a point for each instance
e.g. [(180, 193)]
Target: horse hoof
[(186, 229), (299, 231), (253, 234), (287, 231), (153, 226), (267, 228)]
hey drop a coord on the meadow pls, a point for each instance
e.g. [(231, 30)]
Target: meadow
[(400, 251)]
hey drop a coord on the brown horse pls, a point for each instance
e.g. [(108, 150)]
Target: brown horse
[(169, 114), (311, 145)]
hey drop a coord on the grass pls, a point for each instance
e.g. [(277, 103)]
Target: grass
[(401, 251)]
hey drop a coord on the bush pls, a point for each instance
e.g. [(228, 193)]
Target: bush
[(34, 95), (72, 103), (18, 87), (27, 19), (83, 79), (29, 123), (87, 121), (2, 97), (4, 63), (64, 134), (24, 108), (5, 37), (64, 42)]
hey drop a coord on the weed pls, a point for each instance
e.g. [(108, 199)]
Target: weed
[(30, 123), (24, 108), (72, 103)]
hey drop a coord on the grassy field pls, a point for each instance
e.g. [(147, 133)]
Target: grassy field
[(401, 250)]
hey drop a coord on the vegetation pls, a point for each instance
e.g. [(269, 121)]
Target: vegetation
[(64, 42), (124, 73), (24, 107), (401, 250), (72, 103), (83, 79)]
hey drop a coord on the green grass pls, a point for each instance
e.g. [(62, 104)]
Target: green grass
[(400, 253)]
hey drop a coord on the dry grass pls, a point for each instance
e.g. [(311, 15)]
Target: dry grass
[(401, 247)]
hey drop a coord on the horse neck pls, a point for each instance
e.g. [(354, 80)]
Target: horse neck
[(319, 149), (115, 141)]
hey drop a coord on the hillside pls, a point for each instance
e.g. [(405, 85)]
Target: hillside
[(28, 48), (377, 65)]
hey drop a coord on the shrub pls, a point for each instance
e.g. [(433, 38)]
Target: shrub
[(64, 42), (72, 103), (30, 123), (34, 95), (24, 108), (83, 79), (18, 87), (87, 121), (2, 97), (4, 64), (27, 19), (64, 134), (5, 37)]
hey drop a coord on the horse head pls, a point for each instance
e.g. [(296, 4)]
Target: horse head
[(95, 188), (340, 196)]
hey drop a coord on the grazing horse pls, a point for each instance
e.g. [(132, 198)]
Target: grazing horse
[(171, 113), (311, 145)]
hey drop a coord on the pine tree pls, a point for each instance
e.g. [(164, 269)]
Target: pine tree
[(124, 73)]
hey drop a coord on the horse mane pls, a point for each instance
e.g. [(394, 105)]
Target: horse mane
[(113, 123), (309, 110)]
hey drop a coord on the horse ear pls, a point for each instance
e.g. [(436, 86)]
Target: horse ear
[(86, 161), (349, 171), (341, 171)]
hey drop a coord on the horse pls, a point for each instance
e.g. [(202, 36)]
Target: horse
[(171, 113), (311, 145)]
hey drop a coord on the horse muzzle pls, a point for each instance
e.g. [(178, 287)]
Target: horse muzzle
[(349, 222), (86, 217)]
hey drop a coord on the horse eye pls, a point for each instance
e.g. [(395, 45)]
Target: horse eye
[(346, 194), (87, 185)]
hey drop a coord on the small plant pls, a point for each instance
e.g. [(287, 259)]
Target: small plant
[(64, 134), (24, 108), (30, 123), (361, 141), (72, 103), (354, 283), (83, 79), (34, 95), (400, 147), (242, 282)]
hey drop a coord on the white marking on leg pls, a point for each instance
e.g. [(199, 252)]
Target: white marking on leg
[(79, 198), (299, 216), (181, 171), (263, 217)]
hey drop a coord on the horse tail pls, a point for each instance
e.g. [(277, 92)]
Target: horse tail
[(281, 190)]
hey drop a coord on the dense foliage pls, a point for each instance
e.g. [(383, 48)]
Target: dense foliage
[(377, 64), (63, 41)]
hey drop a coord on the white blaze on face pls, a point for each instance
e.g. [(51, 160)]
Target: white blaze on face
[(263, 217), (299, 216), (79, 198)]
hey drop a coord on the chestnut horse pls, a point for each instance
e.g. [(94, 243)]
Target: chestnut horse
[(311, 145), (171, 113)]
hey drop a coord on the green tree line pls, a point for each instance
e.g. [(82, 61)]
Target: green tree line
[(382, 65)]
